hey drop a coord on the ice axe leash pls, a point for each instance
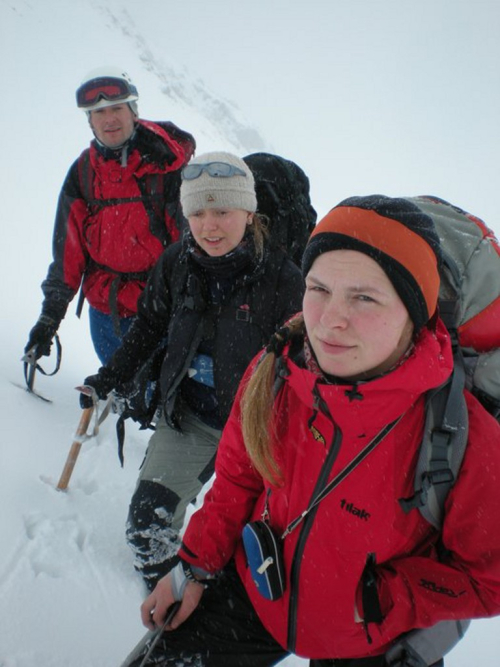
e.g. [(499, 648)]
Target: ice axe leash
[(31, 366), (82, 434)]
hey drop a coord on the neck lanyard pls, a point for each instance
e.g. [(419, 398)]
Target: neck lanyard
[(342, 475)]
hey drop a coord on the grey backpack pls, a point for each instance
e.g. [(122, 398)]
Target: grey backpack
[(469, 304)]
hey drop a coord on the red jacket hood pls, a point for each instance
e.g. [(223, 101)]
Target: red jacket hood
[(379, 401)]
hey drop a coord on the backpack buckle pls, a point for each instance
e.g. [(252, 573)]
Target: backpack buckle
[(243, 315), (440, 476)]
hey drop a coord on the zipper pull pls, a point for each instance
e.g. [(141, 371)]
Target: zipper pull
[(265, 512)]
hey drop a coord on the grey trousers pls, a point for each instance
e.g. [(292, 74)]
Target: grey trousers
[(176, 466)]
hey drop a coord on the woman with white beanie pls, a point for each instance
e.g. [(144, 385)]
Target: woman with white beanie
[(217, 296)]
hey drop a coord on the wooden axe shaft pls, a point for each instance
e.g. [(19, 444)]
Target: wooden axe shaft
[(75, 449)]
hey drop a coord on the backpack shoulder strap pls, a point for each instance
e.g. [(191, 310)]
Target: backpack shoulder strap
[(449, 296), (446, 425), (442, 449), (86, 183), (86, 176), (441, 454)]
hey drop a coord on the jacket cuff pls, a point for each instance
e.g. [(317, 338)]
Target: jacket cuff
[(54, 311), (194, 573)]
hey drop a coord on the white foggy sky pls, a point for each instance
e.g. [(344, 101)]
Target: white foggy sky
[(395, 96), (390, 96)]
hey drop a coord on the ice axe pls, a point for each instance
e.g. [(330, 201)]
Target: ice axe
[(145, 647), (74, 451), (31, 366), (82, 435)]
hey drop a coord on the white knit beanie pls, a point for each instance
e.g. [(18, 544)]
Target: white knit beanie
[(232, 192)]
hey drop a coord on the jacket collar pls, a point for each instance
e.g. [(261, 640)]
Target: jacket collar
[(382, 399), (157, 151)]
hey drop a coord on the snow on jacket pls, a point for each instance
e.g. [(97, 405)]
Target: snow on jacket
[(133, 215), (326, 554), (176, 305)]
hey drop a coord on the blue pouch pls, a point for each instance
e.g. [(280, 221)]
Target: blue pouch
[(202, 370), (265, 559)]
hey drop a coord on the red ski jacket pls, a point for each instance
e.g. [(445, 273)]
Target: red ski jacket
[(326, 554), (114, 220)]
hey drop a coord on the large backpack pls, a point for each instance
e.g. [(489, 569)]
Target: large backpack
[(282, 190), (469, 304)]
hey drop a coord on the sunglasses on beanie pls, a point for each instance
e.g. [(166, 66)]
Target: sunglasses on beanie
[(214, 169)]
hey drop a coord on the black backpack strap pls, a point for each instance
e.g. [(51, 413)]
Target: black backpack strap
[(80, 302), (119, 277), (145, 421), (86, 181), (149, 187), (86, 176), (152, 198)]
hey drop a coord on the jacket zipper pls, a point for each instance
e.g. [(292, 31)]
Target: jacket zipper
[(320, 404)]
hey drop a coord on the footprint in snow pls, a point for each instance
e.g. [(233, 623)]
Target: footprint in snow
[(52, 542)]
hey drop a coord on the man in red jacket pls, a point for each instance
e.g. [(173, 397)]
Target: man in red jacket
[(117, 211)]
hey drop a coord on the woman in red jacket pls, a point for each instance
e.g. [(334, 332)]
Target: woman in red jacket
[(354, 368)]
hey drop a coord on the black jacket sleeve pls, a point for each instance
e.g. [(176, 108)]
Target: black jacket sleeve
[(56, 290)]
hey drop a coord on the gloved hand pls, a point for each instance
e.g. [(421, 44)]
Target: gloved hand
[(101, 383), (41, 335)]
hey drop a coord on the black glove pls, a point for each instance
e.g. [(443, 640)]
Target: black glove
[(41, 335), (102, 383)]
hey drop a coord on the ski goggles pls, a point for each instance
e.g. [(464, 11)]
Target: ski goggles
[(214, 169), (104, 88)]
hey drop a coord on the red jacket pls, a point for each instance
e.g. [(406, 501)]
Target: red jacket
[(114, 220), (326, 554)]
